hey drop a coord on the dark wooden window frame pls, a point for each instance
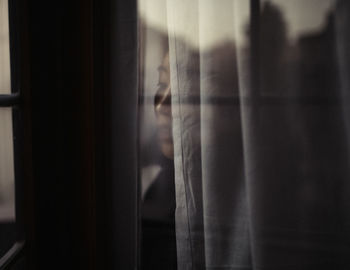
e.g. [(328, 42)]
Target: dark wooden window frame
[(14, 102), (76, 68)]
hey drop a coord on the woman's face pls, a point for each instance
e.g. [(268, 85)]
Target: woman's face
[(162, 105)]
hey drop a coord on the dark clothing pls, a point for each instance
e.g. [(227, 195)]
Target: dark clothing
[(158, 221)]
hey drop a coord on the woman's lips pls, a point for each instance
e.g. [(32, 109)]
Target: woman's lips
[(164, 127)]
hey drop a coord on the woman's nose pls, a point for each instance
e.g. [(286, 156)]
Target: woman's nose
[(163, 102)]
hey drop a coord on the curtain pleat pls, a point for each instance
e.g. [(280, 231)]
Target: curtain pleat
[(186, 134)]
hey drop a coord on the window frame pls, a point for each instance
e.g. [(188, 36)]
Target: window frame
[(14, 101)]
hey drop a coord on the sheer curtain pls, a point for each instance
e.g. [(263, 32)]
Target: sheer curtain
[(260, 109)]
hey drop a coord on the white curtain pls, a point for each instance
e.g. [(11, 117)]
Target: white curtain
[(261, 133)]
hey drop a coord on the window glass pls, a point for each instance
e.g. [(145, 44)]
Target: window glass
[(7, 193), (7, 207), (5, 81), (297, 48)]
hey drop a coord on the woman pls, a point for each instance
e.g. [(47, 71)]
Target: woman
[(158, 209)]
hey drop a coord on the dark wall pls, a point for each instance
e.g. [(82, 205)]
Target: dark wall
[(60, 71), (79, 92)]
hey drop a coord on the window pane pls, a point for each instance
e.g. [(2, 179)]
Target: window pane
[(7, 192), (297, 48), (5, 81), (7, 208), (6, 139)]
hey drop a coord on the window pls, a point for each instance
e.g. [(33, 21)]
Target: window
[(216, 139), (7, 186), (9, 144)]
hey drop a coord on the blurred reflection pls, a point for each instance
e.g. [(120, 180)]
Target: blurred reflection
[(302, 16), (297, 48)]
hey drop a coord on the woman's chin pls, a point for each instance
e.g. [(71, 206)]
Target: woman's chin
[(167, 149)]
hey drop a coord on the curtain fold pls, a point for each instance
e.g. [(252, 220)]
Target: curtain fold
[(261, 134), (226, 218), (184, 67)]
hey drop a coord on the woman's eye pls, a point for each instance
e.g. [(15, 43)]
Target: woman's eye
[(160, 94), (157, 99)]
